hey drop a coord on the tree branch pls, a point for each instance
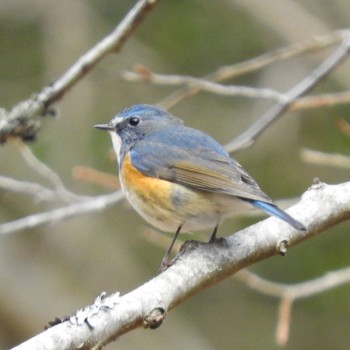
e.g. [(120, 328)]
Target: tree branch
[(288, 293), (289, 100), (141, 73), (198, 266), (297, 290), (300, 89), (256, 63), (25, 118), (93, 204), (144, 74)]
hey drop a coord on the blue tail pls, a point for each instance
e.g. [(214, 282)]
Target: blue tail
[(273, 210)]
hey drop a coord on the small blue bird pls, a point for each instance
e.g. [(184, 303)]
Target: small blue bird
[(179, 178)]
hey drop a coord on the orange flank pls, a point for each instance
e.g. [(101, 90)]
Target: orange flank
[(152, 191), (87, 174)]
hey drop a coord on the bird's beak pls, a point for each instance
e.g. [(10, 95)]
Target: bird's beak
[(106, 127)]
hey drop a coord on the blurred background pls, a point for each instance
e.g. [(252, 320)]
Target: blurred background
[(55, 269)]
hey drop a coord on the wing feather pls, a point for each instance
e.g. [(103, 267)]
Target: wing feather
[(203, 165), (213, 176)]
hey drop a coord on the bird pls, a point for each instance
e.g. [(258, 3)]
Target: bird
[(180, 179)]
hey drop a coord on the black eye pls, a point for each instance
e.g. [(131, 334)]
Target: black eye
[(134, 121)]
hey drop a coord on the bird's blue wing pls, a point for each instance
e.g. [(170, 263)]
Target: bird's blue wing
[(193, 159)]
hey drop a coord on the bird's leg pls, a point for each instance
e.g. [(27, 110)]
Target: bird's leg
[(213, 235), (165, 261)]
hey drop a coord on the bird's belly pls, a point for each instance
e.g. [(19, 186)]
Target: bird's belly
[(166, 212)]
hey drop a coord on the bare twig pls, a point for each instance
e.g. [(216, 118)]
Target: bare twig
[(141, 73), (286, 101), (344, 127), (25, 118), (288, 293), (38, 191), (248, 137), (324, 100), (297, 290), (322, 158), (38, 166), (96, 177), (284, 319), (235, 70), (48, 174), (198, 267), (34, 220), (110, 44), (78, 204), (204, 85)]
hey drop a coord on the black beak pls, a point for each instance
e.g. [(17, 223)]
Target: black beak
[(106, 127)]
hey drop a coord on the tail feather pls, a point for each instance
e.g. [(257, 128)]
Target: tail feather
[(273, 210)]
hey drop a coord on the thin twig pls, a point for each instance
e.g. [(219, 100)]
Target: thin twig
[(112, 43), (48, 174), (284, 319), (235, 70), (34, 220), (288, 293), (286, 101), (141, 73), (38, 191), (38, 166), (298, 290), (204, 85), (344, 127), (326, 159), (247, 138), (323, 100), (96, 177)]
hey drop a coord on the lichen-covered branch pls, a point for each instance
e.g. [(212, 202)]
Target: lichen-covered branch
[(198, 266), (25, 118)]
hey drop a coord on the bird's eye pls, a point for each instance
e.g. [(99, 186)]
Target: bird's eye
[(134, 121)]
